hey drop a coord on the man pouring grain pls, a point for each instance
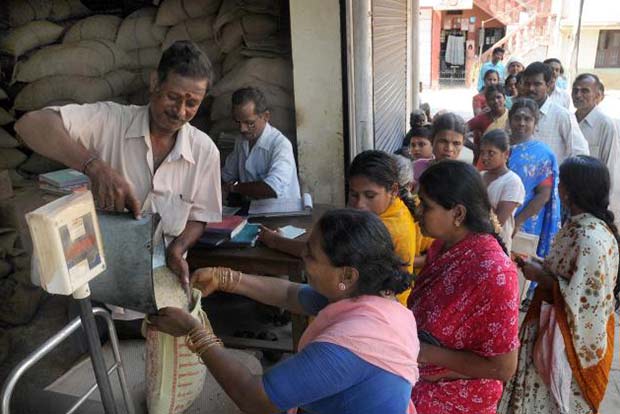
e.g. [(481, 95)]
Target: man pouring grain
[(143, 158)]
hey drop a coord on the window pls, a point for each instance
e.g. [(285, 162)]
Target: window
[(608, 51)]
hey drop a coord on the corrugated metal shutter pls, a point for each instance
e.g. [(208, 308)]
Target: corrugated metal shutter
[(389, 44)]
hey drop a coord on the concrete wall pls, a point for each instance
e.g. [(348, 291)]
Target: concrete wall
[(317, 71)]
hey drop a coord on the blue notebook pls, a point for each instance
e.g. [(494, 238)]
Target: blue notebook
[(246, 237)]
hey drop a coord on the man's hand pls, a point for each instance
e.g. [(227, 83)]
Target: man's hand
[(112, 192), (533, 269), (179, 267)]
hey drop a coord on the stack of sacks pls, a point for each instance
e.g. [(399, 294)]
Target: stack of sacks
[(10, 156), (21, 12), (247, 32), (141, 38), (97, 27), (81, 72)]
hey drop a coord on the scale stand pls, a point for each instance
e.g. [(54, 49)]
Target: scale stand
[(82, 296), (68, 254)]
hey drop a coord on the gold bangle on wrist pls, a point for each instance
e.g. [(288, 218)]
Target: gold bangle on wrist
[(199, 340), (228, 279)]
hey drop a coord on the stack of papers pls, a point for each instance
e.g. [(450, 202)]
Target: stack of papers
[(63, 182)]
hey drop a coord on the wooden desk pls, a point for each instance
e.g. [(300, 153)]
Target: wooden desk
[(261, 260)]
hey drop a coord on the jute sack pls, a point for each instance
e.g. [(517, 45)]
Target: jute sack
[(212, 50), (10, 158), (5, 117), (147, 57), (139, 30), (101, 26), (231, 36), (172, 12), (231, 60), (196, 29), (29, 36), (3, 94), (175, 376), (79, 89), (85, 58), (23, 11), (252, 26), (234, 9), (277, 72), (275, 96), (7, 140), (66, 9)]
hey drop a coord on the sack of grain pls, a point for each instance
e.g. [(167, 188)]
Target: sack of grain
[(79, 89), (231, 36), (66, 9), (85, 58), (172, 12), (141, 80), (212, 50), (277, 72), (275, 96), (101, 26), (7, 140), (38, 164), (5, 117), (10, 158), (147, 57), (3, 94), (23, 11), (139, 30), (175, 376), (29, 36), (19, 299), (258, 26), (234, 9), (231, 60), (197, 29)]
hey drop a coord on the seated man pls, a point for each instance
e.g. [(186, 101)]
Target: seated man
[(262, 164), (143, 158)]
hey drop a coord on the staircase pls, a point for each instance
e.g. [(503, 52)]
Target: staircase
[(529, 39)]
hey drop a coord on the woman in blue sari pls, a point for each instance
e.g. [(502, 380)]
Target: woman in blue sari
[(537, 166)]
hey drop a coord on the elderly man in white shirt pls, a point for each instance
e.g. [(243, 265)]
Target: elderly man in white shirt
[(556, 93), (557, 127), (262, 164), (598, 129), (144, 158)]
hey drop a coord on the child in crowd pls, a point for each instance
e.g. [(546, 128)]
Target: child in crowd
[(417, 119), (505, 189), (479, 102), (420, 144)]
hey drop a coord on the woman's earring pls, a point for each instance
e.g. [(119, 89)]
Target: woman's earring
[(342, 286)]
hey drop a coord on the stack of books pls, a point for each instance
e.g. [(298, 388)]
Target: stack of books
[(63, 182), (232, 231)]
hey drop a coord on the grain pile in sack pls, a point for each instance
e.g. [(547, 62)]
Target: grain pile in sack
[(23, 11), (175, 376), (100, 26), (29, 36), (67, 9), (138, 30), (172, 12), (85, 58), (196, 29), (78, 89)]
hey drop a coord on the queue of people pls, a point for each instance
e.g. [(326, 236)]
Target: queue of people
[(413, 288)]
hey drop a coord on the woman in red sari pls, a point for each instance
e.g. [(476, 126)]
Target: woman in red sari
[(465, 300)]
